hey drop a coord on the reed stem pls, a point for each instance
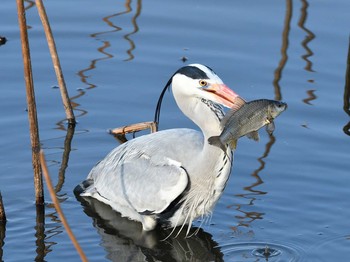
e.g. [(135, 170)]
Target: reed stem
[(2, 210), (56, 63), (58, 207), (32, 113)]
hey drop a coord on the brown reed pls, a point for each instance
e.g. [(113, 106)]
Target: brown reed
[(58, 207), (56, 62), (32, 113), (2, 210), (135, 128)]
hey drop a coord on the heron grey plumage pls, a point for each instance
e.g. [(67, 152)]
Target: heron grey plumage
[(174, 176)]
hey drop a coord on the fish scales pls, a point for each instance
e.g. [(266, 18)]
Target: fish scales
[(247, 120)]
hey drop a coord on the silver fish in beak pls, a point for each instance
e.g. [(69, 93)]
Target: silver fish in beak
[(246, 120)]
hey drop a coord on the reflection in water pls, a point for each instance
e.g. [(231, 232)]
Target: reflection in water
[(309, 35), (346, 106), (305, 44), (43, 232), (2, 238), (65, 158), (136, 28), (285, 43), (124, 240), (249, 217), (30, 4), (107, 44), (311, 96), (41, 248)]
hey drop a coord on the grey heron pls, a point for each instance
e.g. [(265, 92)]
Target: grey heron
[(173, 176)]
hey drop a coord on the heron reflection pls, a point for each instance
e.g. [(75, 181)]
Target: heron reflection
[(124, 240)]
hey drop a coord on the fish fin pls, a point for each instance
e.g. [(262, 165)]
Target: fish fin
[(233, 143), (238, 103), (253, 135), (216, 141), (270, 128)]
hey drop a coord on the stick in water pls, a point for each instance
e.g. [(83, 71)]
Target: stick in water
[(32, 114), (58, 207), (56, 62), (2, 210)]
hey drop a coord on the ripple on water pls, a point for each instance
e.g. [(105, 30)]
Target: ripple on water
[(333, 248), (261, 251)]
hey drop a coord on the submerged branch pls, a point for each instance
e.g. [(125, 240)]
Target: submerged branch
[(58, 207)]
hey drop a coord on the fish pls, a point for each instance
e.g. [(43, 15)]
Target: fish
[(246, 119)]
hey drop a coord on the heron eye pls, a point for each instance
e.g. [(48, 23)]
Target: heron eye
[(203, 83)]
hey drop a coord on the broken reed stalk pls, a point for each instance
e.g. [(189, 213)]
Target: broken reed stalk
[(58, 207), (135, 128), (2, 210), (56, 63), (32, 113)]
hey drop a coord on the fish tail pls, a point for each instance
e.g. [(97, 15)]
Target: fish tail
[(216, 141)]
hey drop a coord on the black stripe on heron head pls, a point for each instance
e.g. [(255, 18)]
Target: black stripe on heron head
[(189, 71), (192, 72)]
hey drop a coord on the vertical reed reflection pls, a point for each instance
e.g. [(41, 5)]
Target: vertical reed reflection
[(65, 158), (249, 217), (284, 48), (107, 44), (135, 30), (41, 249), (2, 238), (311, 96), (346, 105), (43, 233), (30, 4), (305, 44), (309, 35)]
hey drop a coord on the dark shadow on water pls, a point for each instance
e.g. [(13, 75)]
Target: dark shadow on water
[(123, 239)]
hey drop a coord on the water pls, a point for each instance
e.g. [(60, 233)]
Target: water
[(289, 192)]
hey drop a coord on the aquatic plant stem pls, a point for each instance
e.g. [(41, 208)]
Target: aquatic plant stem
[(32, 113), (56, 62), (58, 207), (2, 210)]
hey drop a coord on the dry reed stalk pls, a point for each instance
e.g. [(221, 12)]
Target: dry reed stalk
[(56, 63), (2, 210), (32, 114), (58, 207), (135, 128)]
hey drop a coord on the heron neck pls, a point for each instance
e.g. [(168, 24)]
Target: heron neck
[(207, 115), (204, 113)]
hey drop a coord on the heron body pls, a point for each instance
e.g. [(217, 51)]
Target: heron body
[(174, 176)]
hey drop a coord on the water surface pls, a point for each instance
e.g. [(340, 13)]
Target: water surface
[(288, 192)]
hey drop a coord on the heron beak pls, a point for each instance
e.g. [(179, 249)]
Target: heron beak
[(223, 94)]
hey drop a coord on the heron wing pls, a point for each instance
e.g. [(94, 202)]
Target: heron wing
[(139, 175)]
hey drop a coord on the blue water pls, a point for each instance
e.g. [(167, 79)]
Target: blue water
[(289, 192)]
